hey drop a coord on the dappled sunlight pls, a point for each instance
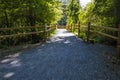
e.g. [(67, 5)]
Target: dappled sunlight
[(56, 39), (12, 60), (5, 60), (8, 75), (67, 42), (63, 32), (15, 63), (61, 35), (63, 57), (10, 63), (14, 55), (66, 35)]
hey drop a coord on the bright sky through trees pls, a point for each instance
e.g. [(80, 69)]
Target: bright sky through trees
[(84, 2)]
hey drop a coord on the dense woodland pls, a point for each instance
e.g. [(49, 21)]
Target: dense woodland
[(14, 13), (99, 13), (25, 13)]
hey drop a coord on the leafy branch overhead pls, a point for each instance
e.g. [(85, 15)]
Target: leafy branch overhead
[(29, 12)]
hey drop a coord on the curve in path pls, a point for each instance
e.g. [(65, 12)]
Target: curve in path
[(63, 57)]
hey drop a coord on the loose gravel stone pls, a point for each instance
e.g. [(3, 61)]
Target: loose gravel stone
[(63, 57)]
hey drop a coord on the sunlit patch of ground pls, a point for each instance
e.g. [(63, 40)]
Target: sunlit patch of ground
[(63, 57)]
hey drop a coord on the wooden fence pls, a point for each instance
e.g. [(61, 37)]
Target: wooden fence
[(89, 29), (61, 27), (44, 29)]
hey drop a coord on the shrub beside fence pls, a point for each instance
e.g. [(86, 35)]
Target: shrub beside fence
[(92, 29), (40, 33)]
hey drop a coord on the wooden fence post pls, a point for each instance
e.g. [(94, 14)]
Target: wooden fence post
[(56, 27), (88, 31), (68, 27), (49, 32), (45, 33), (79, 29), (71, 27), (118, 43), (74, 27)]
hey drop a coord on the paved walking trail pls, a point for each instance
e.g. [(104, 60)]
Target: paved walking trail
[(63, 57)]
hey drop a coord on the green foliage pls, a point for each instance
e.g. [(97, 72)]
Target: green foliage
[(29, 12), (86, 14), (64, 15), (101, 13), (24, 13), (73, 11), (117, 12)]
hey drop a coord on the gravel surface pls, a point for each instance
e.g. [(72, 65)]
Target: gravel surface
[(63, 57)]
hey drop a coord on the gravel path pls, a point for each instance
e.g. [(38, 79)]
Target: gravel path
[(63, 57)]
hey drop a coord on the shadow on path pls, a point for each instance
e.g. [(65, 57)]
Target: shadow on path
[(63, 57)]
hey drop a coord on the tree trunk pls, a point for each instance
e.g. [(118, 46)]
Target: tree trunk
[(117, 24), (32, 23), (117, 12), (31, 18), (6, 18)]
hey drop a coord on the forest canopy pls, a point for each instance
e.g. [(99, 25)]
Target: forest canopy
[(14, 13), (100, 12), (25, 13), (20, 15)]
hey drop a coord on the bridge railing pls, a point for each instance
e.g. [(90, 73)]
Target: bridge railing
[(89, 28)]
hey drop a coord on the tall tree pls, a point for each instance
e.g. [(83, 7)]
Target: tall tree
[(117, 12), (22, 13), (73, 11)]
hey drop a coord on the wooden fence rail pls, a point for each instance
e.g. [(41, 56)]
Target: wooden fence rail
[(46, 30), (18, 28), (89, 29)]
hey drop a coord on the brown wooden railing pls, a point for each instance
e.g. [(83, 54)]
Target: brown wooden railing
[(42, 29), (89, 28), (61, 27)]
